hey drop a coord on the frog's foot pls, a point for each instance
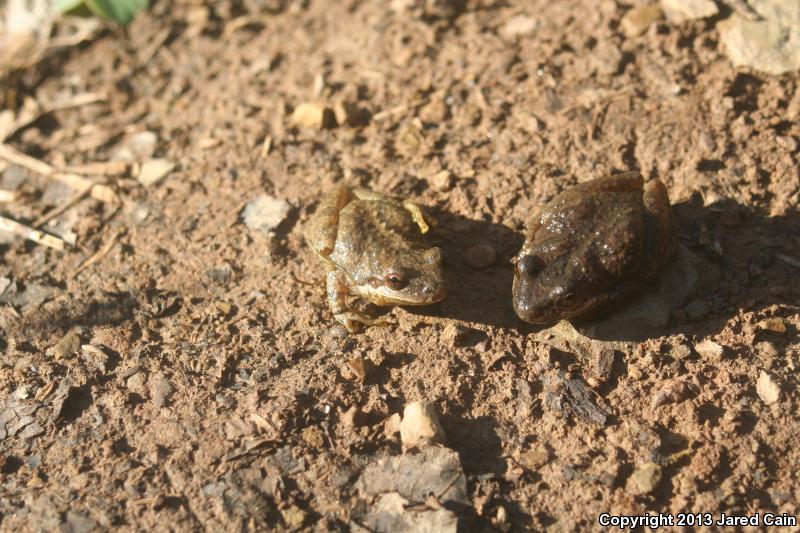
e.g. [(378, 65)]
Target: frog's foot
[(414, 210), (418, 216), (353, 321)]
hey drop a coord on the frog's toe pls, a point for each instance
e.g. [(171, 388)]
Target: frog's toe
[(353, 322)]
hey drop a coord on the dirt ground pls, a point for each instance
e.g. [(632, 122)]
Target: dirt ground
[(192, 377)]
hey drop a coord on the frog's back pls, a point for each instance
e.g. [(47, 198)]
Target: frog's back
[(369, 231)]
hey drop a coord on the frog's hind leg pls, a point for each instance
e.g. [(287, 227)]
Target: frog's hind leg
[(337, 301), (424, 223), (323, 226), (625, 181), (661, 236)]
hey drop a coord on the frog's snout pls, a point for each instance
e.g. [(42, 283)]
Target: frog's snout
[(433, 292)]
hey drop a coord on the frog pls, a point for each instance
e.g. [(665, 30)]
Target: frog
[(592, 246), (372, 246)]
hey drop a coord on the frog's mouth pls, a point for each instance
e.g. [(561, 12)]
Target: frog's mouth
[(424, 294), (536, 304)]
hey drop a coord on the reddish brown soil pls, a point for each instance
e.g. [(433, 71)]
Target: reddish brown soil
[(219, 402)]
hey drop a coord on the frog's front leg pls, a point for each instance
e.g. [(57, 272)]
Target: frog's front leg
[(337, 301)]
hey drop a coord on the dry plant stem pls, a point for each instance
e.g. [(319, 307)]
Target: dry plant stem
[(21, 230), (100, 192), (99, 254), (74, 199), (7, 196), (76, 101)]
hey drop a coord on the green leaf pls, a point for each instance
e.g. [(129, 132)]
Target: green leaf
[(121, 11), (65, 6)]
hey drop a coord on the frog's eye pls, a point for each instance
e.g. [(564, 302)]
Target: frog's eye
[(395, 280), (569, 298)]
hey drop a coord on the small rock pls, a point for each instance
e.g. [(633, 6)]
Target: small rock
[(137, 147), (294, 517), (265, 213), (771, 45), (606, 58), (68, 346), (681, 351), (442, 180), (391, 426), (136, 383), (160, 390), (696, 310), (709, 350), (535, 458), (480, 256), (683, 10), (153, 171), (767, 351), (519, 26), (360, 368), (420, 426), (673, 391), (312, 116), (767, 389), (645, 479), (637, 20), (773, 325), (635, 373), (312, 436)]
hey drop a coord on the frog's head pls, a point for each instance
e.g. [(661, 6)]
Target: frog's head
[(413, 277), (545, 293)]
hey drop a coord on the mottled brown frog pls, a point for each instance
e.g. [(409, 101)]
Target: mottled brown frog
[(372, 246), (592, 245)]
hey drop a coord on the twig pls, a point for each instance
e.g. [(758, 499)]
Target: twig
[(7, 196), (99, 254), (104, 193), (74, 199), (21, 230), (100, 168), (27, 117)]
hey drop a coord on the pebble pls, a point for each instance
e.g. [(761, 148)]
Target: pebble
[(153, 171), (68, 346), (442, 180), (480, 256), (773, 325), (637, 20), (709, 350), (683, 10), (160, 390), (519, 26), (681, 351), (265, 213), (136, 382), (767, 351), (770, 45), (606, 58), (137, 147), (312, 116), (646, 478), (420, 426), (767, 389)]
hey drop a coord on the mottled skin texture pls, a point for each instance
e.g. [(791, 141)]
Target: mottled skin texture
[(372, 247), (592, 245)]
